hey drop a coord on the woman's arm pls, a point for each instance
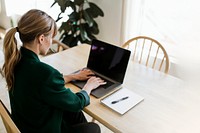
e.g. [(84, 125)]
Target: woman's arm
[(85, 74)]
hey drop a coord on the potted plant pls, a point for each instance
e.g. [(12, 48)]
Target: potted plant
[(81, 26)]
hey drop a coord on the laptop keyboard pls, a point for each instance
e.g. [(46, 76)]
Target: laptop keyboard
[(109, 83)]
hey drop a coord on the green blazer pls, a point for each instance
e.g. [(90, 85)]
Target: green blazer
[(39, 97)]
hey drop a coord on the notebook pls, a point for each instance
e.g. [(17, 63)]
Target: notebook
[(122, 100), (108, 62)]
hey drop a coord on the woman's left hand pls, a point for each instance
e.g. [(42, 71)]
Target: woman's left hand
[(84, 74)]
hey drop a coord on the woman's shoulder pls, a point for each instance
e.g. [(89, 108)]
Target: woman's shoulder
[(45, 68)]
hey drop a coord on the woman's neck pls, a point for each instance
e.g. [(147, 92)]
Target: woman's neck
[(33, 47)]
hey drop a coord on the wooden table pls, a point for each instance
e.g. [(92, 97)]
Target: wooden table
[(168, 106)]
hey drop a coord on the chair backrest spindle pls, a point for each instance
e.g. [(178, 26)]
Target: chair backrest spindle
[(142, 51), (148, 51)]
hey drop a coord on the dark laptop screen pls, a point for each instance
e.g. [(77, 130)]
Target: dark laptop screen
[(108, 60)]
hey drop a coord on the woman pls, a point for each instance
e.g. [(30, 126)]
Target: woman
[(39, 100)]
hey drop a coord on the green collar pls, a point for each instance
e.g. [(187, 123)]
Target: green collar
[(28, 54)]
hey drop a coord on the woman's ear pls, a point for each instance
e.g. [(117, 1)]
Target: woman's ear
[(41, 39)]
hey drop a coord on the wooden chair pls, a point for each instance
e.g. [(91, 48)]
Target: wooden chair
[(148, 51), (57, 46), (7, 121)]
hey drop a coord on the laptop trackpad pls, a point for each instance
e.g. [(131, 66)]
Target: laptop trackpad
[(101, 91), (79, 83), (98, 92)]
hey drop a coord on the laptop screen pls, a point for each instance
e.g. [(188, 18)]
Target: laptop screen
[(108, 60)]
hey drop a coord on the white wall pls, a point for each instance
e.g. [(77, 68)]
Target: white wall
[(4, 20), (110, 24)]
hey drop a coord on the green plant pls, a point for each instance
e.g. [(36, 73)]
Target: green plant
[(81, 25)]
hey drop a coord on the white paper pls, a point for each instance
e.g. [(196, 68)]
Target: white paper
[(123, 105)]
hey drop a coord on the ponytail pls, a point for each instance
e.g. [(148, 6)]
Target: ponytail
[(29, 28), (11, 56)]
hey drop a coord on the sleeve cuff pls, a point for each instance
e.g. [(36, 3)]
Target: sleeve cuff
[(86, 96)]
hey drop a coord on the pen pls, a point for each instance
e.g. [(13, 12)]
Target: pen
[(116, 101)]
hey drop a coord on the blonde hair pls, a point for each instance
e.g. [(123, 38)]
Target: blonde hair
[(31, 25)]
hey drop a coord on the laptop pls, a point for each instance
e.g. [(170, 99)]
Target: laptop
[(109, 62)]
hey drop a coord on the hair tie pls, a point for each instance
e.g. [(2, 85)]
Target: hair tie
[(17, 29)]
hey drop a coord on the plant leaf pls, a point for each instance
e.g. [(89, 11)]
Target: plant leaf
[(72, 5), (78, 2), (70, 40), (86, 41), (74, 16), (63, 4), (81, 26), (58, 18), (66, 26), (88, 18), (94, 29), (83, 33), (94, 10), (91, 37), (53, 4)]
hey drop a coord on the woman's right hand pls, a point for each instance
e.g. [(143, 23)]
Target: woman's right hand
[(93, 83)]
